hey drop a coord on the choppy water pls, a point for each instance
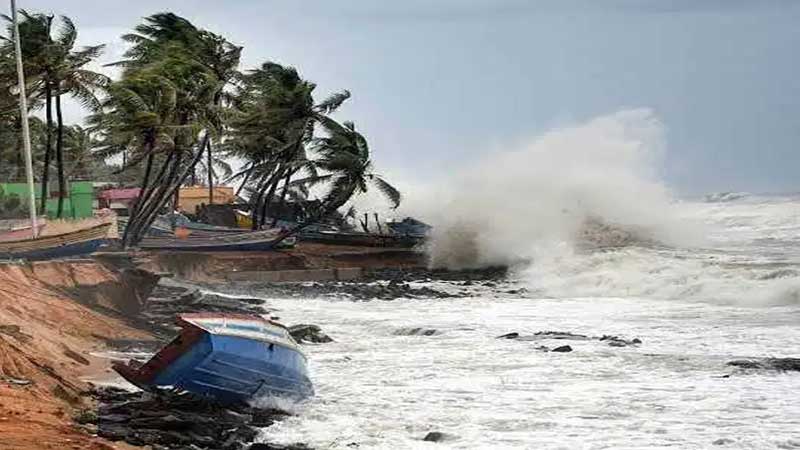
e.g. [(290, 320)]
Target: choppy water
[(693, 309)]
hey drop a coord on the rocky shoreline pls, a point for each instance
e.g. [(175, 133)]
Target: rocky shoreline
[(389, 284), (170, 420)]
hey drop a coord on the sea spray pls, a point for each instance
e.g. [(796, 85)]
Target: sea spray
[(518, 204), (582, 211)]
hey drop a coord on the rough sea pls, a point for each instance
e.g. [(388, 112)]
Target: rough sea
[(694, 309)]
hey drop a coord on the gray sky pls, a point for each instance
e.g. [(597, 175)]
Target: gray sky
[(437, 83)]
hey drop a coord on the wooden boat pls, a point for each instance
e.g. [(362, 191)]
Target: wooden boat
[(204, 229), (19, 229), (228, 357), (61, 245), (242, 242)]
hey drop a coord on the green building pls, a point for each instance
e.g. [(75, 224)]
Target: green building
[(78, 205)]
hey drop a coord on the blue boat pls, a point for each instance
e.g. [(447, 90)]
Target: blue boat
[(76, 243), (230, 358)]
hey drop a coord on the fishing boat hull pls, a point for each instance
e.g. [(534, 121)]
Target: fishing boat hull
[(229, 242), (235, 359), (16, 229), (63, 245)]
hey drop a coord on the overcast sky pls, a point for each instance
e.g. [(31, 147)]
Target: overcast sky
[(438, 82)]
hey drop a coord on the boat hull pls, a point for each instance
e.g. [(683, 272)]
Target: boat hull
[(234, 370), (63, 245), (256, 241), (16, 230), (64, 251), (229, 358)]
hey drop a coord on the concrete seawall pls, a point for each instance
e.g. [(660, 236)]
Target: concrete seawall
[(295, 276)]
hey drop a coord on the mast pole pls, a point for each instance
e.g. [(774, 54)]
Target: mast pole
[(26, 134)]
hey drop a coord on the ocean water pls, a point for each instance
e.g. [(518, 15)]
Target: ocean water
[(736, 296)]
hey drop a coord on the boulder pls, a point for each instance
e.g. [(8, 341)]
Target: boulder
[(562, 349), (512, 335), (777, 364), (416, 331), (437, 436), (309, 333)]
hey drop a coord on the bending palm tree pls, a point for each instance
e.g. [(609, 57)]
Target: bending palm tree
[(344, 157), (273, 126), (168, 47), (57, 69)]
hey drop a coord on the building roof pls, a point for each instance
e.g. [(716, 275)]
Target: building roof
[(119, 194), (202, 191)]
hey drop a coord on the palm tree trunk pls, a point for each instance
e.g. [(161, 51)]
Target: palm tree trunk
[(145, 198), (172, 189), (323, 211), (282, 202), (210, 169), (62, 183), (244, 182), (142, 190), (176, 200), (48, 151), (256, 206), (276, 179)]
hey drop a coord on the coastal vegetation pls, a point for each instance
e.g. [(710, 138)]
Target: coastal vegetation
[(182, 112)]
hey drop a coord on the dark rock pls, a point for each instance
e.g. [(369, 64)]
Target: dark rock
[(437, 436), (513, 335), (561, 335), (416, 331), (562, 349), (777, 364), (15, 332), (175, 420), (423, 274), (309, 333), (723, 441), (263, 446), (615, 341)]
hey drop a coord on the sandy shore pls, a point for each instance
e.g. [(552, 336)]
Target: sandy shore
[(57, 317), (48, 335)]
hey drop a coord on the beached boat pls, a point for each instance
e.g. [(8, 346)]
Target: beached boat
[(226, 242), (19, 229), (228, 357), (62, 245)]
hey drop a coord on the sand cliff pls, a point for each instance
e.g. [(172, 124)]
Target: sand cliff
[(50, 329)]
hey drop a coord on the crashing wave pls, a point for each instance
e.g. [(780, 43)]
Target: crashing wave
[(598, 234)]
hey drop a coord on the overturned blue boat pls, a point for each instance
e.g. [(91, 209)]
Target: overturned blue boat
[(230, 358)]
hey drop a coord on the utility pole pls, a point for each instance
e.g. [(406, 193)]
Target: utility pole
[(26, 132)]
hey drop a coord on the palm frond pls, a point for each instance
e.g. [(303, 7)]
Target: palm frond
[(390, 192)]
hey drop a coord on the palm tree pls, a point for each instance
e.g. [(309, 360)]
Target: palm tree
[(346, 168), (56, 69), (274, 124), (36, 41), (81, 160), (71, 78), (194, 63)]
